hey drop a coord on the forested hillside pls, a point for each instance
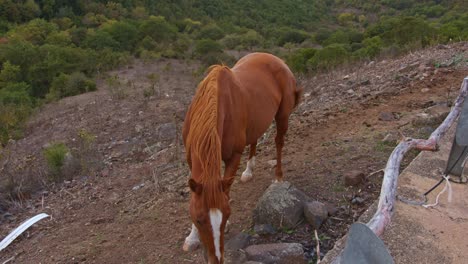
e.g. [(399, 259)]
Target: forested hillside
[(52, 49)]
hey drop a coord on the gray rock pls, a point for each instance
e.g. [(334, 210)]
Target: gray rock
[(287, 253), (239, 241), (264, 229), (282, 205), (353, 178), (234, 257), (432, 116), (332, 210), (357, 200), (387, 116), (316, 213), (253, 262)]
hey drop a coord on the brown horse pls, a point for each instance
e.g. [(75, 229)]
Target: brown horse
[(232, 108)]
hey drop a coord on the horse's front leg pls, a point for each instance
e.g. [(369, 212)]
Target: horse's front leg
[(230, 170), (192, 242)]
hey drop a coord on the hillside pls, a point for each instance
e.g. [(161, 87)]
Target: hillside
[(53, 49), (124, 196)]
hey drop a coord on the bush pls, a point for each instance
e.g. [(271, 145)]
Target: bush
[(55, 155), (15, 107), (68, 85), (158, 29), (206, 46), (329, 57), (298, 59), (211, 31)]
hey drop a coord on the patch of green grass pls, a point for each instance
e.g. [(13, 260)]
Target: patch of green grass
[(288, 230)]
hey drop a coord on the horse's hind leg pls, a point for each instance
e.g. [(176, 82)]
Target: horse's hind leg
[(281, 129), (248, 173)]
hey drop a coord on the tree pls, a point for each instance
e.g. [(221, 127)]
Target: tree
[(9, 73), (298, 59), (328, 57), (158, 29), (99, 40), (211, 31), (35, 31), (123, 32)]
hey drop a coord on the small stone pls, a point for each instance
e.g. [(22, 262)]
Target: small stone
[(353, 178), (316, 213), (332, 210), (272, 163), (365, 82), (138, 128), (357, 200), (425, 90), (350, 91), (8, 217), (136, 187), (237, 242), (281, 253), (386, 116), (264, 229), (345, 77)]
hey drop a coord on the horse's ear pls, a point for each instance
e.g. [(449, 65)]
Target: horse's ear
[(226, 184), (195, 186)]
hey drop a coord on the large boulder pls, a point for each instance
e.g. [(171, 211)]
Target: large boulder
[(282, 205), (289, 253)]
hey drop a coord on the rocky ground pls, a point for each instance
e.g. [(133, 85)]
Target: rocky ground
[(127, 200)]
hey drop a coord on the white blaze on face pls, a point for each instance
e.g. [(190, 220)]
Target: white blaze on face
[(216, 217)]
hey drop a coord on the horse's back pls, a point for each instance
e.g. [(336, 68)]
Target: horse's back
[(268, 86)]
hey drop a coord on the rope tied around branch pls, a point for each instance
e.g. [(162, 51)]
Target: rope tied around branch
[(448, 187)]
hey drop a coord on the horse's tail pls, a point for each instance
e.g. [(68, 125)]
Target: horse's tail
[(203, 139), (298, 95)]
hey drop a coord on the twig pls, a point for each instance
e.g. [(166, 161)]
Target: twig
[(374, 172), (318, 246), (8, 260)]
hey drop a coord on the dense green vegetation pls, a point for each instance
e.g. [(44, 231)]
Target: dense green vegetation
[(50, 49)]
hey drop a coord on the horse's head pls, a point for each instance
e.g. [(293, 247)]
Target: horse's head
[(210, 217)]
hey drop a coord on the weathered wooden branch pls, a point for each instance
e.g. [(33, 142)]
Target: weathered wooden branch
[(386, 205)]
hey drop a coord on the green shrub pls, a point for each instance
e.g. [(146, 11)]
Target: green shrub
[(205, 46), (298, 59), (55, 155), (68, 85)]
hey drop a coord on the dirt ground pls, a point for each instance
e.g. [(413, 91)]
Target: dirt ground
[(129, 202)]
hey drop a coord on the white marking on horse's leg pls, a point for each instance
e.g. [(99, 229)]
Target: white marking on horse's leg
[(216, 217), (248, 173), (226, 228), (193, 240)]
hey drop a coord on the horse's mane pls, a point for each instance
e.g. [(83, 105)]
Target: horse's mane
[(203, 139)]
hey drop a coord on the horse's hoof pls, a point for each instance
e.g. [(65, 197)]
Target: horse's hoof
[(191, 245), (246, 177)]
